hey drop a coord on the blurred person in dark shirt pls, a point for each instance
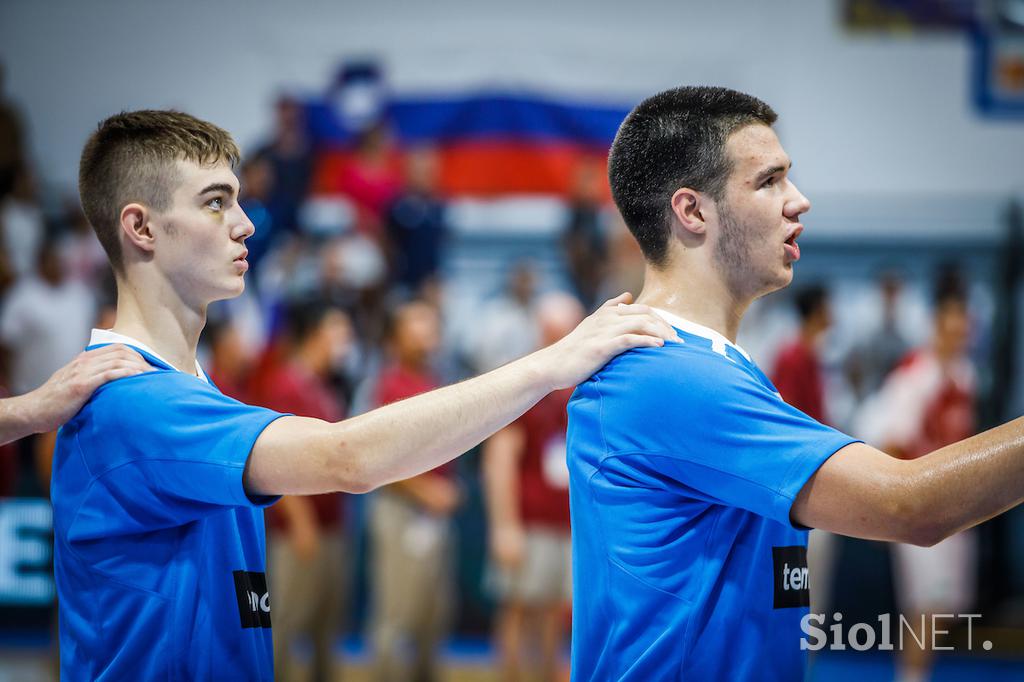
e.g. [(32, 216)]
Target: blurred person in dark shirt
[(256, 187), (12, 139), (870, 362), (797, 373), (526, 486), (289, 152), (307, 540), (585, 242), (416, 223), (410, 522)]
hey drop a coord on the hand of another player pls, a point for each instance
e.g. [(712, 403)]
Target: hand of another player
[(615, 327), (64, 393), (439, 495), (508, 545)]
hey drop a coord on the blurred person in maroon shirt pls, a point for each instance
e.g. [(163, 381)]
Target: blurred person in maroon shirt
[(372, 177), (410, 522), (797, 374), (230, 363), (526, 485), (307, 542)]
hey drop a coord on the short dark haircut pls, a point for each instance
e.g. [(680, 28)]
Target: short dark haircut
[(671, 140), (810, 300), (130, 158)]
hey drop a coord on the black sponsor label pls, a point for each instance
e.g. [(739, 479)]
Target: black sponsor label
[(792, 586), (253, 599)]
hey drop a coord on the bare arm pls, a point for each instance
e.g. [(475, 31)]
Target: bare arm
[(501, 494), (64, 393), (863, 492), (296, 455)]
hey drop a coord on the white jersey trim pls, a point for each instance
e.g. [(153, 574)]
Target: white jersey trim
[(718, 342), (101, 336)]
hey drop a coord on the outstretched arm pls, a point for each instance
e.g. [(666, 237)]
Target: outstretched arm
[(64, 393), (296, 455), (863, 492)]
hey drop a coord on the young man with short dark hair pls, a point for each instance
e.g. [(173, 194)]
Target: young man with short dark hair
[(160, 480), (692, 483)]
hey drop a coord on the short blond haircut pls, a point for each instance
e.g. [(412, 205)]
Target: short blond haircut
[(131, 159)]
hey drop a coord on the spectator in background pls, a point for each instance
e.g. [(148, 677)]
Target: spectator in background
[(12, 140), (256, 187), (22, 227), (289, 152), (44, 324), (926, 403), (372, 178), (410, 523), (870, 362), (526, 487), (505, 328), (81, 254), (230, 363), (307, 542), (585, 243), (797, 373), (416, 223)]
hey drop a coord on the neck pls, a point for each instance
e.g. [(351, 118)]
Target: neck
[(694, 293), (159, 318)]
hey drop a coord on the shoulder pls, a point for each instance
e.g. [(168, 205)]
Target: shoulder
[(671, 366), (157, 397)]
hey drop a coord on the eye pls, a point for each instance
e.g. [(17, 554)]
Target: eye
[(769, 182), (217, 203)]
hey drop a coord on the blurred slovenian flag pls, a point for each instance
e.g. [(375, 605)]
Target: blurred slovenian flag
[(489, 143)]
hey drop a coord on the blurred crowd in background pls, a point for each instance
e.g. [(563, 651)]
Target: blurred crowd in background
[(349, 305)]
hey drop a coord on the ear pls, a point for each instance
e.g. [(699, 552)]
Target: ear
[(686, 206), (135, 226)]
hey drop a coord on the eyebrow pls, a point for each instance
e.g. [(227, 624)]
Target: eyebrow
[(768, 172), (218, 187)]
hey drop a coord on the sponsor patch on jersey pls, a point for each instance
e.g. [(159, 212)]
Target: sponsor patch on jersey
[(253, 599), (792, 584)]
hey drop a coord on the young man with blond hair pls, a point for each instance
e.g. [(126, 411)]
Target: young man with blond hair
[(159, 482)]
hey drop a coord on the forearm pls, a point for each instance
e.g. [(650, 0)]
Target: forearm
[(297, 455), (17, 418), (968, 482), (418, 434)]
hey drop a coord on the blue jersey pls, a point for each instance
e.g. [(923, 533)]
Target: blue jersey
[(159, 553), (684, 463)]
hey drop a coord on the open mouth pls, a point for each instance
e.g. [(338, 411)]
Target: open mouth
[(791, 247)]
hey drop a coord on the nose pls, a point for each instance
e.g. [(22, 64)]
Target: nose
[(797, 204), (244, 228)]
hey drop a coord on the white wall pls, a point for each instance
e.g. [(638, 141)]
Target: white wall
[(862, 116)]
